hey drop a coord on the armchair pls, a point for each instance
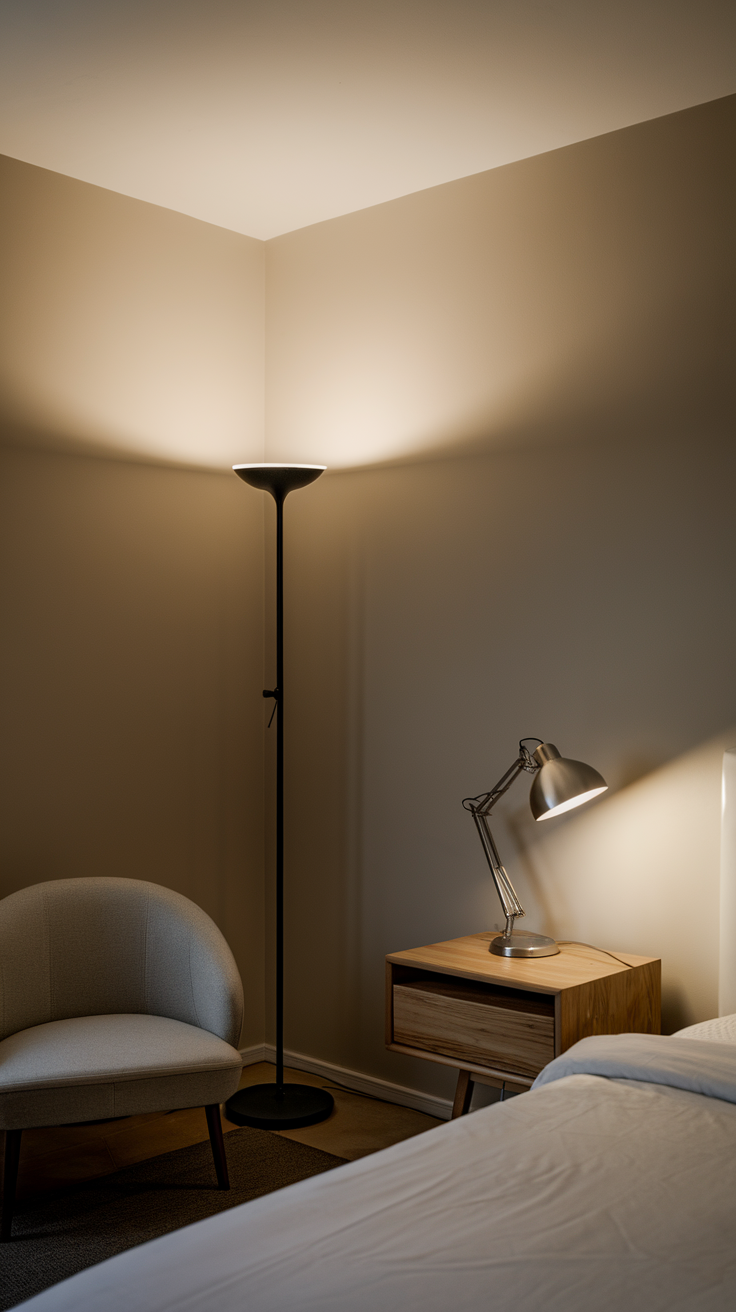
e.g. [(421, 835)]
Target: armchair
[(117, 997)]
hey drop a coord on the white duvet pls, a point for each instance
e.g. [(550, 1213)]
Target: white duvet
[(604, 1192)]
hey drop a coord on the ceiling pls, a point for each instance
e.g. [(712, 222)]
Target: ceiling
[(267, 115)]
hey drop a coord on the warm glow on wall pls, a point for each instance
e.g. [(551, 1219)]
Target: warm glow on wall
[(527, 304), (642, 868), (127, 329), (474, 315)]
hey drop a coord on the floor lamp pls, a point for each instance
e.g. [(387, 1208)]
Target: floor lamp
[(279, 1106)]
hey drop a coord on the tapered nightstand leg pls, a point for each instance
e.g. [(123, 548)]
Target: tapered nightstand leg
[(463, 1094)]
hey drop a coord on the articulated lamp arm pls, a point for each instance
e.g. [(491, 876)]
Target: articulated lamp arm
[(480, 808), (558, 786)]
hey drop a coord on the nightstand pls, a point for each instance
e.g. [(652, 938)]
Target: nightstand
[(499, 1020)]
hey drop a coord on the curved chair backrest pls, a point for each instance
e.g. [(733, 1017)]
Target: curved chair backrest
[(96, 947)]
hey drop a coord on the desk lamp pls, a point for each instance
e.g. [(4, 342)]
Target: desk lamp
[(558, 786)]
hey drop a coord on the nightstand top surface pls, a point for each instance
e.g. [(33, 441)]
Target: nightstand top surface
[(470, 958)]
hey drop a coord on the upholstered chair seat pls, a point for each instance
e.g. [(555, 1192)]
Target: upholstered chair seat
[(91, 1068), (116, 997)]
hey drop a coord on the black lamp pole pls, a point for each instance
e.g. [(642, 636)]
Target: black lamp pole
[(278, 694), (279, 1106)]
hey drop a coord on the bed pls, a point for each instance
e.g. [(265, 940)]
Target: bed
[(609, 1187)]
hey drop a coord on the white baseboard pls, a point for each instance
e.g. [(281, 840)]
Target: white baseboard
[(253, 1054), (396, 1093)]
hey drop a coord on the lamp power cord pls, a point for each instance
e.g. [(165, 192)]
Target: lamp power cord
[(575, 943)]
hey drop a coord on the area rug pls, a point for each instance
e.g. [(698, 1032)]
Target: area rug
[(56, 1235)]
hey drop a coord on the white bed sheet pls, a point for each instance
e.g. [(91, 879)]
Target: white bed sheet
[(705, 1067), (586, 1195)]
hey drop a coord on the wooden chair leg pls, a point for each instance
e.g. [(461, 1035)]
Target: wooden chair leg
[(463, 1094), (10, 1175), (214, 1125)]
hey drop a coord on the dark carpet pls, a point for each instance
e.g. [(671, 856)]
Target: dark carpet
[(56, 1235)]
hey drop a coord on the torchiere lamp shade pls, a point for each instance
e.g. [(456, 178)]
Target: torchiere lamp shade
[(562, 784), (279, 479)]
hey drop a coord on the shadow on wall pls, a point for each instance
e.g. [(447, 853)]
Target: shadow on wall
[(19, 434)]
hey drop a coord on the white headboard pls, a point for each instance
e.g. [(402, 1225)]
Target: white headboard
[(727, 960)]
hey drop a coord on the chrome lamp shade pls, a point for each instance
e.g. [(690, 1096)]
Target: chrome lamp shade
[(559, 785)]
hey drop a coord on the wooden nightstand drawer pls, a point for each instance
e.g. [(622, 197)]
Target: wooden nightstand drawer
[(499, 1020), (490, 1027)]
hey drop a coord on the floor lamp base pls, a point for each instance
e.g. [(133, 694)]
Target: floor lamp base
[(268, 1107)]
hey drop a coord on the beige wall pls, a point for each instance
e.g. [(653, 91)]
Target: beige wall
[(542, 350), (131, 592)]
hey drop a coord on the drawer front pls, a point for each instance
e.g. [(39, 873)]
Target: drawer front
[(489, 1035)]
